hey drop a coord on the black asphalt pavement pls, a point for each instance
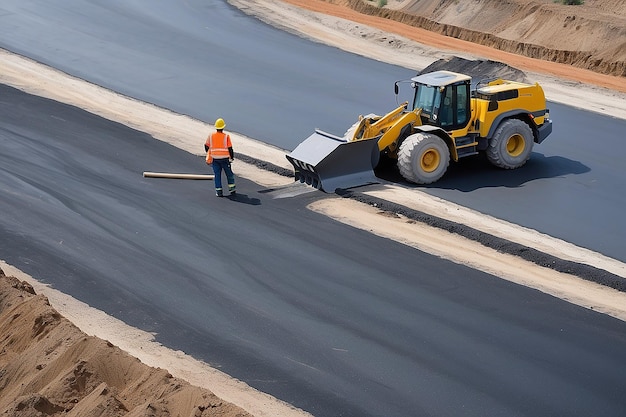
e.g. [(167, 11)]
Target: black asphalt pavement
[(206, 59), (328, 318)]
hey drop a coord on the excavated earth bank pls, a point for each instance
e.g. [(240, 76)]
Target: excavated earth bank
[(590, 36), (48, 367)]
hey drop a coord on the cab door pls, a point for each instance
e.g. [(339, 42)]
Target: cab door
[(454, 111)]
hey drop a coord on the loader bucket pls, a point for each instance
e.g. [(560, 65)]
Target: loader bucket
[(328, 162)]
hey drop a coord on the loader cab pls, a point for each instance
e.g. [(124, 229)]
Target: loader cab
[(444, 98)]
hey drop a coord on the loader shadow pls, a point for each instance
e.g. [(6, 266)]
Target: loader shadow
[(244, 199), (473, 173)]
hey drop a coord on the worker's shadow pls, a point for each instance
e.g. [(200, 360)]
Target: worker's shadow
[(242, 198)]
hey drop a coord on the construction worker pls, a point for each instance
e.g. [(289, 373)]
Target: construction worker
[(219, 154)]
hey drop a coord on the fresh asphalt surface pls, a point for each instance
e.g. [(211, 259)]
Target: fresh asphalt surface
[(328, 318), (331, 319), (206, 59)]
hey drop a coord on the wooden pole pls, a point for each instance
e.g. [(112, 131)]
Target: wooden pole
[(148, 174)]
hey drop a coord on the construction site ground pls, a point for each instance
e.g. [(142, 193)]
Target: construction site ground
[(334, 24)]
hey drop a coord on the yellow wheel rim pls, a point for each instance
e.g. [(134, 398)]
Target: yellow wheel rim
[(430, 160), (515, 145)]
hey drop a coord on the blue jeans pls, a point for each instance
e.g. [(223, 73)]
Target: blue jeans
[(218, 166)]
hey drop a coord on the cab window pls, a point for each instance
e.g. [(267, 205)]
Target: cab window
[(425, 99), (454, 111)]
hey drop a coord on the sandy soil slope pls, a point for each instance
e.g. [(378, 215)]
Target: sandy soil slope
[(416, 48), (48, 367), (401, 35), (590, 36)]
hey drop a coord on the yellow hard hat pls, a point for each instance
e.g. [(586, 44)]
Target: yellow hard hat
[(220, 123)]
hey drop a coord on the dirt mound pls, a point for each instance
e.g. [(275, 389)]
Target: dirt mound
[(590, 36), (478, 69), (48, 367)]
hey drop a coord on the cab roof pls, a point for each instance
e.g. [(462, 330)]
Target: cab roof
[(440, 78)]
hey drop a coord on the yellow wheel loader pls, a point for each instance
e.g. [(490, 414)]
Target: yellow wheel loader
[(448, 119)]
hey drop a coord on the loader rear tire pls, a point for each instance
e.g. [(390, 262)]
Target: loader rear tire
[(511, 145), (423, 158)]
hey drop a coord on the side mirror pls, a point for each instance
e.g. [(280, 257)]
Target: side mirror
[(395, 87)]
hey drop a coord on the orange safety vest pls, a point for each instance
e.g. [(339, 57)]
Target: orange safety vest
[(218, 144)]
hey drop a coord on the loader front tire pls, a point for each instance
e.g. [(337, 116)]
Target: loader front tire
[(423, 158), (511, 145)]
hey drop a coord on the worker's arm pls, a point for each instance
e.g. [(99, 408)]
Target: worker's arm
[(231, 152)]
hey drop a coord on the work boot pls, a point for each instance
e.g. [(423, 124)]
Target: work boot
[(219, 193)]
